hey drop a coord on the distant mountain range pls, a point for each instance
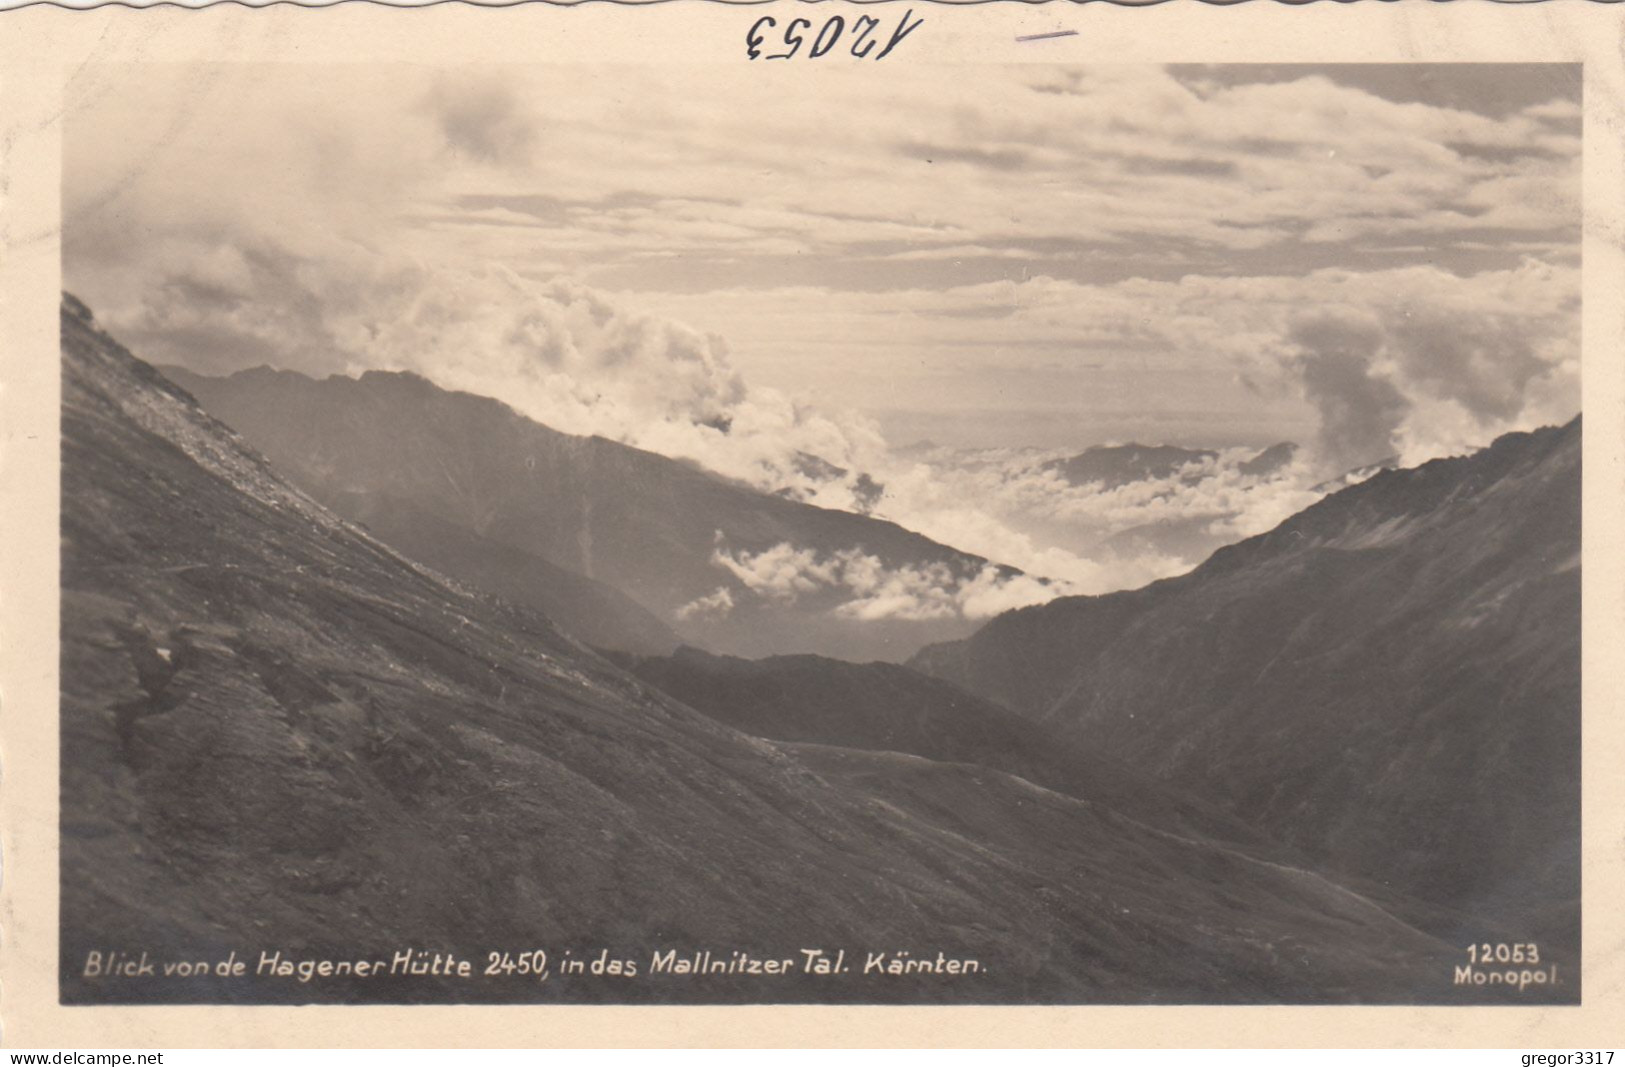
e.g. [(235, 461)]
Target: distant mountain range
[(1194, 523), (1389, 680), (1112, 466), (619, 545), (281, 734)]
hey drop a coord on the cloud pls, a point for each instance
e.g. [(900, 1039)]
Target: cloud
[(1436, 366), (1359, 411), (563, 354), (782, 572), (1485, 361), (714, 605), (485, 119)]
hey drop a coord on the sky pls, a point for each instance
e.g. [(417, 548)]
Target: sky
[(747, 265)]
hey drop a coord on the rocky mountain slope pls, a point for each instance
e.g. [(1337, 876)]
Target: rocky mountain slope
[(1389, 680), (889, 708), (281, 736), (594, 612), (400, 454)]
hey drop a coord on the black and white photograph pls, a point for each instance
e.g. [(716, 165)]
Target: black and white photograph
[(898, 533)]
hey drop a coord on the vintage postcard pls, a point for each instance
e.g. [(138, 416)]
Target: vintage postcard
[(671, 524)]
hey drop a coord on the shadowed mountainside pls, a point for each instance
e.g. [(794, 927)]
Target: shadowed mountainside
[(889, 708), (1389, 680), (279, 735), (393, 449), (594, 612)]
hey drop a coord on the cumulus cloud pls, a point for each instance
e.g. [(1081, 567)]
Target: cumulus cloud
[(714, 605), (561, 353), (867, 589), (1436, 369), (1484, 360), (1359, 411), (1413, 362)]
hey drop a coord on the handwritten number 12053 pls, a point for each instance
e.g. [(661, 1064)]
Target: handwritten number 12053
[(860, 39)]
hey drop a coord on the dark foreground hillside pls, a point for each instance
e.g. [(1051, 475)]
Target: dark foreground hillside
[(885, 707), (280, 739), (1389, 680)]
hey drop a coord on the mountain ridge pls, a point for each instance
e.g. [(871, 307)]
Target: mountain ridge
[(1113, 466), (649, 526), (885, 707), (1429, 617)]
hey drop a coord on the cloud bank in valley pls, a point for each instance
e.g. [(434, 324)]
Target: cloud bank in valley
[(871, 590), (1306, 253)]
